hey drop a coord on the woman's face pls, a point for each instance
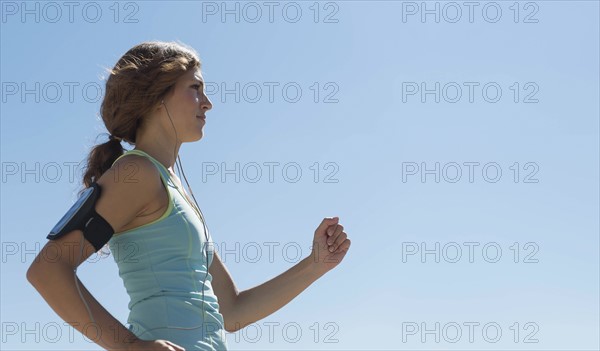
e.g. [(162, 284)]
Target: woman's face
[(187, 106)]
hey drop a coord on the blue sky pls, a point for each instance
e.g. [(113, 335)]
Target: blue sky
[(354, 96)]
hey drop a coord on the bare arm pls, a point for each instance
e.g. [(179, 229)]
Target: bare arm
[(57, 287), (242, 308), (246, 307)]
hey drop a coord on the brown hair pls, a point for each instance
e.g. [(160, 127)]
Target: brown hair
[(141, 78)]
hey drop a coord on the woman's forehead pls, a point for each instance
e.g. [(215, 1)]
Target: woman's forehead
[(190, 76), (194, 74)]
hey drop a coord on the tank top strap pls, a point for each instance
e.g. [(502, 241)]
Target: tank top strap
[(164, 173)]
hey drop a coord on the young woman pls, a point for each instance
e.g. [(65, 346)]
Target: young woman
[(181, 294)]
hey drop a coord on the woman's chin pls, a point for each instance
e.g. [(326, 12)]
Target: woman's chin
[(199, 136)]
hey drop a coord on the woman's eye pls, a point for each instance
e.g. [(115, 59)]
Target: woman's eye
[(196, 86)]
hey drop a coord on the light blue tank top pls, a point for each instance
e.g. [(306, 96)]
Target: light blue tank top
[(163, 268)]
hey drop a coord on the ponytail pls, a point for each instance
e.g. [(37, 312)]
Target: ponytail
[(100, 160)]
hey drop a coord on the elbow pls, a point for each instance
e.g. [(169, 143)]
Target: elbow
[(35, 270), (229, 326), (230, 312), (232, 327), (231, 322), (32, 275), (38, 272)]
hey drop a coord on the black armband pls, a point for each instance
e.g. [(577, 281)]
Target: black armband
[(83, 216)]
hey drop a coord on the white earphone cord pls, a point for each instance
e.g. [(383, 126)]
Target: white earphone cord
[(77, 284)]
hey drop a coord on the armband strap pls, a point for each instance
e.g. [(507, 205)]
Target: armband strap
[(97, 231)]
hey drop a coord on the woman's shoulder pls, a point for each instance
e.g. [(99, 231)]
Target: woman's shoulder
[(134, 175), (128, 188), (136, 164)]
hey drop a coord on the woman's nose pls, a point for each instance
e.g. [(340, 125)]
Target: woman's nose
[(206, 104)]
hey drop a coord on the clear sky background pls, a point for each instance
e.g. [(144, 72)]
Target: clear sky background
[(518, 250)]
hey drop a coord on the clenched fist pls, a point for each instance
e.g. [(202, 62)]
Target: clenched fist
[(330, 244)]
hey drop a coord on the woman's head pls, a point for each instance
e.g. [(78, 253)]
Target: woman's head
[(148, 80)]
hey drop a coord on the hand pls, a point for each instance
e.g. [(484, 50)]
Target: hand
[(154, 345), (330, 245)]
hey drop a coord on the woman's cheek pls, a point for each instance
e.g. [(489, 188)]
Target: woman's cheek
[(192, 95)]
